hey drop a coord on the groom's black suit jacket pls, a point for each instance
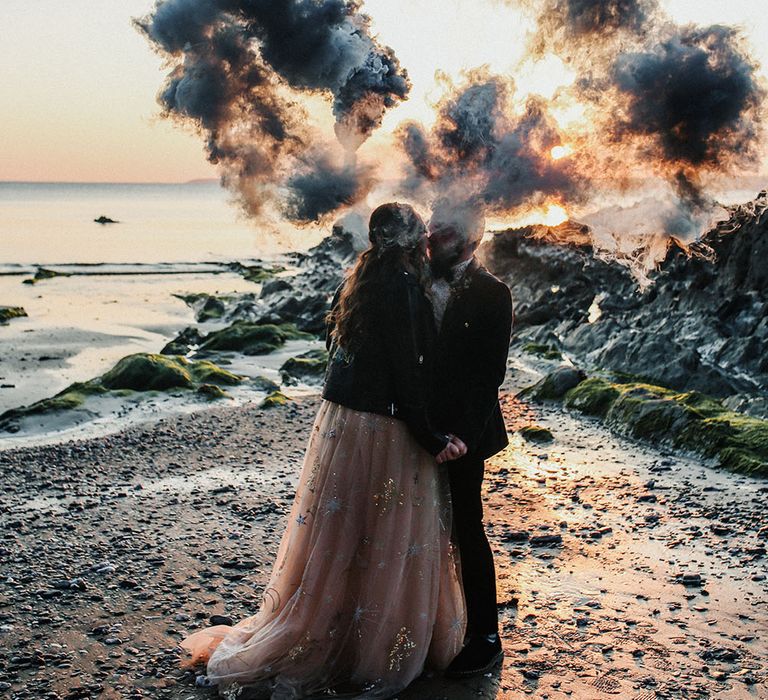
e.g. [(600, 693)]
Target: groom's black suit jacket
[(471, 361)]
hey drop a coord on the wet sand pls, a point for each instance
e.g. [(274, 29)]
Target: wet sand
[(115, 547)]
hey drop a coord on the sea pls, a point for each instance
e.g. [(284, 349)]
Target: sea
[(117, 296), (53, 224)]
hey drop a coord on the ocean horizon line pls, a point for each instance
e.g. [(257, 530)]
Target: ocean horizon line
[(194, 181), (106, 268)]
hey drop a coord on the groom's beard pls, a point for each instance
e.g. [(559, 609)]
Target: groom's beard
[(442, 266)]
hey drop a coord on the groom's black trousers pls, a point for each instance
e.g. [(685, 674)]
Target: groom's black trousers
[(477, 570)]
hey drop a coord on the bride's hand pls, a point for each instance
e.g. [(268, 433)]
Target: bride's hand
[(453, 450), (460, 444)]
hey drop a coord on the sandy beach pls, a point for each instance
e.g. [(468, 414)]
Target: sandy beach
[(623, 571), (185, 187)]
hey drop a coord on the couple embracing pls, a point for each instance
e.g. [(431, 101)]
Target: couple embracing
[(384, 568)]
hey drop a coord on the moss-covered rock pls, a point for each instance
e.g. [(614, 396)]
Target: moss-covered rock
[(150, 371), (253, 338), (207, 372), (548, 352), (9, 312), (555, 384), (644, 411), (308, 367), (738, 441), (137, 372), (257, 273), (593, 396), (691, 420), (536, 433), (276, 398), (212, 392), (147, 372), (71, 397), (705, 406)]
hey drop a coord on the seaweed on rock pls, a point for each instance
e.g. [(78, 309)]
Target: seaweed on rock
[(307, 367), (150, 371), (253, 338), (690, 421), (536, 433), (142, 372), (275, 399), (9, 312)]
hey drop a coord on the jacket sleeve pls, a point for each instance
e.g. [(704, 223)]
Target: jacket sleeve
[(329, 326), (488, 367), (407, 339)]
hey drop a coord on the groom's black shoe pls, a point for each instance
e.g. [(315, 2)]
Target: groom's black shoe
[(478, 656)]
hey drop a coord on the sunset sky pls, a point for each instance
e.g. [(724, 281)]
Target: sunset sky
[(77, 94)]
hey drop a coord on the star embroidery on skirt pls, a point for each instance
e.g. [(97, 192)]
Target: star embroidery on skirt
[(414, 549), (361, 615), (301, 520), (333, 505)]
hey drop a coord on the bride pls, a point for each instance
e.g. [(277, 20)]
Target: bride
[(364, 592)]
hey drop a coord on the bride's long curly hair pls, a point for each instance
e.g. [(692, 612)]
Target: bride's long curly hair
[(397, 237)]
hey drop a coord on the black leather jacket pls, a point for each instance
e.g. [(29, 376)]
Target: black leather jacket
[(391, 373)]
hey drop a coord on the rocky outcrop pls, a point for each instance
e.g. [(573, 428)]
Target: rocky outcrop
[(148, 372), (188, 339), (309, 367), (209, 307), (304, 298), (43, 273), (301, 299), (9, 312), (256, 273), (702, 323), (251, 338)]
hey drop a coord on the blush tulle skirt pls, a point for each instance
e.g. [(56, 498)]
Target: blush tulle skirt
[(365, 589)]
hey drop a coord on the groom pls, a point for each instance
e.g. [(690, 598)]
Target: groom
[(473, 313)]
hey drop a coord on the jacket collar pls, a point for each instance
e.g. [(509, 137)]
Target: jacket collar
[(460, 286), (465, 280)]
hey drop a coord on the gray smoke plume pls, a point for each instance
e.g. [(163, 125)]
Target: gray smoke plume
[(683, 103), (233, 63), (599, 16), (696, 95), (322, 187), (694, 103), (577, 29), (479, 150)]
